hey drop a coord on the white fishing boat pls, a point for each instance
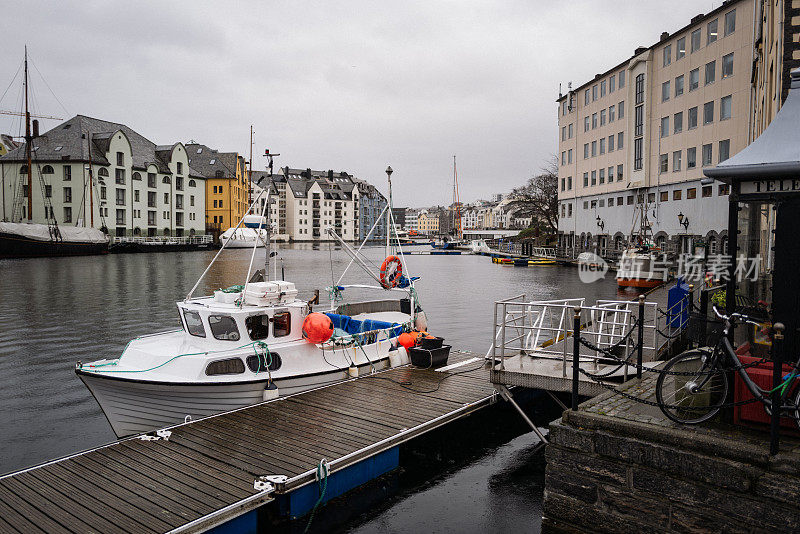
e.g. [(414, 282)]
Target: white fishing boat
[(479, 246), (252, 232), (251, 343)]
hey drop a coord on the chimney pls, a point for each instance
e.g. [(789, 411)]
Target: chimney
[(639, 50), (696, 18), (664, 36), (35, 128), (330, 174)]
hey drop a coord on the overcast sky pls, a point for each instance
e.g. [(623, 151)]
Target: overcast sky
[(350, 86)]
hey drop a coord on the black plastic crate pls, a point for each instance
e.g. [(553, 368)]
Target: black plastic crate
[(429, 357), (431, 342)]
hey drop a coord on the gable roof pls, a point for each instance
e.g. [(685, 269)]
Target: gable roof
[(208, 162)]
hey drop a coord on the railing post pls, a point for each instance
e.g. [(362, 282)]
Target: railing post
[(576, 355), (640, 338), (503, 340), (777, 368), (703, 317)]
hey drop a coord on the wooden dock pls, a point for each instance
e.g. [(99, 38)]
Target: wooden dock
[(204, 474)]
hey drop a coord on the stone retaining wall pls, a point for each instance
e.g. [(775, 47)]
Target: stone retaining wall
[(606, 474)]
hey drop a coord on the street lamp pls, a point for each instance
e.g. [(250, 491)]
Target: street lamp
[(600, 223), (683, 220)]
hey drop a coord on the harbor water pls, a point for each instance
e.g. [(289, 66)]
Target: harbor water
[(57, 311)]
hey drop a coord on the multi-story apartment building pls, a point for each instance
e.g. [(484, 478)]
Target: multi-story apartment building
[(91, 172), (226, 185), (428, 222), (412, 215), (635, 138), (371, 204)]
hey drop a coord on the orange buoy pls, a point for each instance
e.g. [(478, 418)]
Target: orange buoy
[(406, 340), (391, 271), (317, 328)]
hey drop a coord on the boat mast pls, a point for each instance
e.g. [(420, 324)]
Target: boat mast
[(250, 171), (389, 226), (91, 184), (456, 203), (28, 141)]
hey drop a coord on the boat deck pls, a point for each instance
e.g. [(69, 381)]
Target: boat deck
[(203, 475)]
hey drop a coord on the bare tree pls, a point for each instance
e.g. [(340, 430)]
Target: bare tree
[(540, 196)]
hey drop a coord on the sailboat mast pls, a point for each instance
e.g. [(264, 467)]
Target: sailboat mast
[(250, 171), (91, 184), (28, 141)]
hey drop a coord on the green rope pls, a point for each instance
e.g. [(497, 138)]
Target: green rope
[(233, 289), (322, 484)]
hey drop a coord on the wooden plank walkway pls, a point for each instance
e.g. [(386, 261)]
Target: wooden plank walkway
[(203, 475)]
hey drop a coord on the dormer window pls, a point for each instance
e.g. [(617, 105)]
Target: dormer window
[(120, 159)]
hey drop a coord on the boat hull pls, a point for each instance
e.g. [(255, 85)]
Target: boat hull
[(137, 406), (640, 283), (17, 246)]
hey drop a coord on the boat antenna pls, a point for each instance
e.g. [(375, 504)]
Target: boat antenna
[(269, 156)]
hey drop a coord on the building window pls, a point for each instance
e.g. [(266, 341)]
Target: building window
[(663, 163), (665, 91), (711, 72), (179, 218), (594, 148), (677, 122), (664, 196), (611, 113), (563, 157), (120, 197), (569, 156), (694, 79), (67, 173), (602, 117), (621, 77), (639, 89), (692, 118), (679, 85), (612, 82), (611, 143), (594, 121), (651, 197), (586, 98), (664, 126), (102, 192), (220, 203), (585, 150), (180, 167), (120, 217), (725, 108), (611, 174), (722, 190), (637, 154), (136, 196), (676, 161), (676, 194), (620, 141), (696, 40), (119, 176), (602, 89), (602, 145), (691, 158), (691, 193), (708, 112), (151, 199), (586, 179), (730, 22), (680, 48), (569, 184), (707, 191), (667, 55), (67, 194), (67, 214), (602, 176), (727, 65), (166, 198), (569, 136), (166, 180), (724, 150), (594, 177), (151, 179), (621, 110), (586, 124), (629, 200), (638, 121), (594, 92), (178, 202), (708, 154), (179, 183), (120, 159), (711, 31)]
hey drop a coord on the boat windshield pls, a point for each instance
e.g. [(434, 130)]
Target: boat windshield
[(282, 324), (257, 326), (194, 325), (223, 327)]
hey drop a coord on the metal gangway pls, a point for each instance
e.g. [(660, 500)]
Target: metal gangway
[(548, 253)]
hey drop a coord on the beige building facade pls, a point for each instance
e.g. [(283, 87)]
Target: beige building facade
[(635, 139)]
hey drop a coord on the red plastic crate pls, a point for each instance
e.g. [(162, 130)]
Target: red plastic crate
[(753, 414)]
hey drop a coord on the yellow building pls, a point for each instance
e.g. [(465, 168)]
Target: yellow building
[(226, 185), (428, 223)]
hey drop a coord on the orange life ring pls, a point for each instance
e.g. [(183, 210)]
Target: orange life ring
[(391, 270)]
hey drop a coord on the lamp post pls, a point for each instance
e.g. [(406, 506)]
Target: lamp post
[(601, 225), (389, 217), (683, 220)]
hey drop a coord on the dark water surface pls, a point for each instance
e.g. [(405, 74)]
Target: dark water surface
[(55, 311)]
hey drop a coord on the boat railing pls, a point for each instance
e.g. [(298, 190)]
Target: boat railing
[(165, 240), (541, 329)]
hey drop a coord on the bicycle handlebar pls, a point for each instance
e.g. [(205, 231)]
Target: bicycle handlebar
[(732, 317)]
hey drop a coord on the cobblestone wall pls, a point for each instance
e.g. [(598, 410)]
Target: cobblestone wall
[(606, 474)]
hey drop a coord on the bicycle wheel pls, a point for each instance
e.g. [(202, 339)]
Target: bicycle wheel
[(695, 392), (796, 413)]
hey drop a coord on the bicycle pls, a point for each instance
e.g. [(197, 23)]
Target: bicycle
[(693, 386)]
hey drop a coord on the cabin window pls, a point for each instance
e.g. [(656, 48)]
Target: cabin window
[(194, 325), (223, 327), (257, 326), (231, 366), (282, 324), (270, 361)]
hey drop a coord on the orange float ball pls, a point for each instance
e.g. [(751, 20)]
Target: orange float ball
[(406, 340), (317, 328)]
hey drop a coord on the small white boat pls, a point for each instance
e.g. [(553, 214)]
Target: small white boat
[(251, 343), (479, 246), (251, 232), (639, 268)]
